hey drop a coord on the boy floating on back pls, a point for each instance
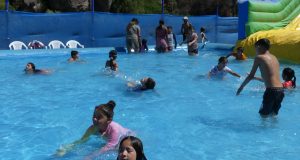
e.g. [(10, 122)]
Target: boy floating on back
[(144, 84)]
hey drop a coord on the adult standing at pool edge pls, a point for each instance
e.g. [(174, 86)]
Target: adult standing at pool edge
[(269, 68), (161, 37), (132, 38), (185, 28)]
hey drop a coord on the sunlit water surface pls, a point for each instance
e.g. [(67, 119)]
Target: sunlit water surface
[(186, 116)]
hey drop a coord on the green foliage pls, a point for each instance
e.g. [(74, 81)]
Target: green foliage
[(180, 7), (2, 4), (174, 7), (151, 6), (136, 6)]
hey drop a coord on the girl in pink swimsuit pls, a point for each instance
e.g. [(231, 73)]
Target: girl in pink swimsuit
[(288, 75), (131, 148), (161, 36), (103, 126)]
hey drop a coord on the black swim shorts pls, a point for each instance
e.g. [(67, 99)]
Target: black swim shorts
[(272, 101), (194, 51)]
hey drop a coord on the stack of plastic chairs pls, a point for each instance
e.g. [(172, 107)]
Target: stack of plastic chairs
[(17, 45), (56, 44), (74, 44)]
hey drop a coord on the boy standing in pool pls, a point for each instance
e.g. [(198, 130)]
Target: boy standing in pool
[(111, 63), (269, 68), (74, 56)]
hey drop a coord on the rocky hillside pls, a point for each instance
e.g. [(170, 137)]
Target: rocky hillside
[(179, 7)]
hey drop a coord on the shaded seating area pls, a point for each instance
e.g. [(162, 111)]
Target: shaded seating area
[(74, 44), (17, 45), (56, 44), (35, 44)]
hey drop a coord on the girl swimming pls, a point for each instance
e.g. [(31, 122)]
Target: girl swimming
[(103, 126), (288, 75), (131, 148)]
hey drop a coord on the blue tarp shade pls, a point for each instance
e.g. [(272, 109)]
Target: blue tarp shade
[(103, 29), (3, 30), (243, 18)]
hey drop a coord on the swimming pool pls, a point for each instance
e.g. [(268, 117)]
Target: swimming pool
[(186, 117)]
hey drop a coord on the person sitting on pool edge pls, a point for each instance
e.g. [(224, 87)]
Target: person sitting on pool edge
[(141, 85), (111, 63), (30, 69), (221, 69), (74, 56), (239, 55)]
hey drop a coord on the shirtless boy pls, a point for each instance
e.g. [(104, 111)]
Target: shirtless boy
[(269, 68)]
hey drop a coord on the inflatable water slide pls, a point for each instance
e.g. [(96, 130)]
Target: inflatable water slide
[(279, 21)]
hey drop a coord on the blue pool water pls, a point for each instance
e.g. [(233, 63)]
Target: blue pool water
[(186, 117)]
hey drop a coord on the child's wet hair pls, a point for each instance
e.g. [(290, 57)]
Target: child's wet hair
[(74, 53), (222, 59), (170, 27), (144, 41), (113, 54), (135, 20), (264, 43), (202, 29), (290, 74), (162, 22), (240, 48), (107, 109), (32, 65), (150, 83), (137, 144)]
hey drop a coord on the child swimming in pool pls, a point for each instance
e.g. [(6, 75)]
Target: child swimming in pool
[(221, 69), (288, 75), (203, 36), (131, 148), (144, 84), (103, 126), (172, 42), (74, 56), (239, 55), (30, 69), (111, 63), (144, 47)]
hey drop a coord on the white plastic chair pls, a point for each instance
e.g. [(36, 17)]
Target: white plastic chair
[(17, 45), (30, 44), (56, 44), (73, 44)]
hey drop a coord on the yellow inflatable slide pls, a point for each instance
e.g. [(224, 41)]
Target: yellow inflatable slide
[(285, 42)]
